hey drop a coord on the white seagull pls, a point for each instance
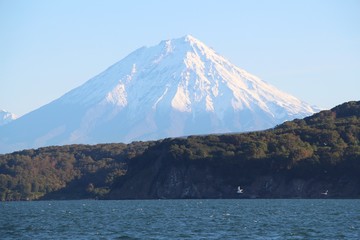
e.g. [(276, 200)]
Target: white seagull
[(239, 190), (325, 193)]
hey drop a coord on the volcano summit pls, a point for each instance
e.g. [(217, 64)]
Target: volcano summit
[(179, 87)]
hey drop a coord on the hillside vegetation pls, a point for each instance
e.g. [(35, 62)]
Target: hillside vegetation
[(298, 158)]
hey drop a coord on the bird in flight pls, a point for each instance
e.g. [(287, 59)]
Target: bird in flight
[(240, 190), (325, 193)]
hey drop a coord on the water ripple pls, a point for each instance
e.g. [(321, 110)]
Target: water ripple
[(181, 219)]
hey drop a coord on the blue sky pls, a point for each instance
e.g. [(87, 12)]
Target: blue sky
[(310, 49)]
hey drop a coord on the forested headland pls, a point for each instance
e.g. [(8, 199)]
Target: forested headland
[(302, 158)]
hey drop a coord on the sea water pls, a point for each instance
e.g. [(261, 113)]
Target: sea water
[(181, 219)]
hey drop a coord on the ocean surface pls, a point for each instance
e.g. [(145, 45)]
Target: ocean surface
[(181, 219)]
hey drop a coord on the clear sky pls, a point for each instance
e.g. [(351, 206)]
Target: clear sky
[(308, 48)]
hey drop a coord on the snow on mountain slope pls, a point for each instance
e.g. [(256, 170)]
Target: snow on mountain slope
[(6, 117), (179, 87)]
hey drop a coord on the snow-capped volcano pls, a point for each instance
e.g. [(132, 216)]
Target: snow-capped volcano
[(6, 117), (179, 87)]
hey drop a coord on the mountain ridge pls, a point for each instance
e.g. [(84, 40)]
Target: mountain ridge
[(6, 117)]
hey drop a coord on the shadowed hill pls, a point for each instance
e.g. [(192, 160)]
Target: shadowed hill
[(297, 159)]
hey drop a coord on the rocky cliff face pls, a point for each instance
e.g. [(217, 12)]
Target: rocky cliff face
[(163, 178)]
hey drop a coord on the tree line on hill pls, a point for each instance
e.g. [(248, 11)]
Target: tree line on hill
[(325, 145)]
